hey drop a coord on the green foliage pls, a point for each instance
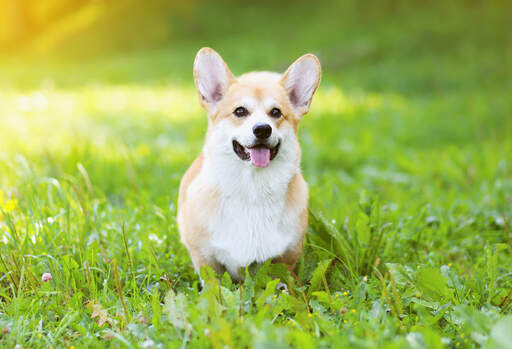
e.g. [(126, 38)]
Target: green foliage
[(406, 151), (501, 336)]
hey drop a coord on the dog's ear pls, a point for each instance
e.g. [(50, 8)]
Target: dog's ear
[(301, 81), (212, 78)]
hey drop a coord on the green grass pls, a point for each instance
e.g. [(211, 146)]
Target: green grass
[(407, 151)]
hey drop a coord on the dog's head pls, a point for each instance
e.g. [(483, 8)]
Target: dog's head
[(254, 118)]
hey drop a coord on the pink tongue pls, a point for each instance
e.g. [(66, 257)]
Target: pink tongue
[(260, 157)]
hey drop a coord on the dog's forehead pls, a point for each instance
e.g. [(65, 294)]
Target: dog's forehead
[(260, 79), (258, 88), (254, 101)]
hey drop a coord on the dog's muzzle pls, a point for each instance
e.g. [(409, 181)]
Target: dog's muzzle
[(260, 154)]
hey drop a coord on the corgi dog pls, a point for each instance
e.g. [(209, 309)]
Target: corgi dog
[(244, 200)]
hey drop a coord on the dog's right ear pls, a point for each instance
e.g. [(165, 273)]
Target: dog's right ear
[(212, 78)]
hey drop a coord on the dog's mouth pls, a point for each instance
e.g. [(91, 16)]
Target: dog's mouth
[(259, 154)]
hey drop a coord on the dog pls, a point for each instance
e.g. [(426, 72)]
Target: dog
[(244, 199)]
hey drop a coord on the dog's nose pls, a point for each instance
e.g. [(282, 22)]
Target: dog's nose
[(261, 130)]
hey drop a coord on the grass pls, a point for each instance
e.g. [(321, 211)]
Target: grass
[(407, 151)]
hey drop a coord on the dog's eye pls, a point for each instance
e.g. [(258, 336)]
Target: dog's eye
[(275, 113), (241, 112)]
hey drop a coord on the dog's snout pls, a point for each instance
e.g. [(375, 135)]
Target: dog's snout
[(261, 130)]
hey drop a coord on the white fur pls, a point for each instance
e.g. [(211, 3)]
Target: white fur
[(252, 223)]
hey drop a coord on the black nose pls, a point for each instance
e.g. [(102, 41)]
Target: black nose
[(261, 130)]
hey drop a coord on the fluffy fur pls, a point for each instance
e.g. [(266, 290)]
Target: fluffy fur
[(230, 212)]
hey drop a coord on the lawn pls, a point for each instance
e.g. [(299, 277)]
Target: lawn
[(407, 150)]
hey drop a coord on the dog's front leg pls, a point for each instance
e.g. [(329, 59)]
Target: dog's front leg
[(199, 259)]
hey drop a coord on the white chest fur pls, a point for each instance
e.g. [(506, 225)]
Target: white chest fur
[(251, 222)]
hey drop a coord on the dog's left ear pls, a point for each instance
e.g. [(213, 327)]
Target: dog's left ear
[(301, 81), (212, 77)]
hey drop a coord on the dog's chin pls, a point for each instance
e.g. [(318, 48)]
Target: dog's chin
[(259, 154)]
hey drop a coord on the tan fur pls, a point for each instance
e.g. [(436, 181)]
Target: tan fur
[(189, 176), (188, 210), (258, 85), (297, 190)]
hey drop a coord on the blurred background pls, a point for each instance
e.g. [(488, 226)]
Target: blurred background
[(108, 84)]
